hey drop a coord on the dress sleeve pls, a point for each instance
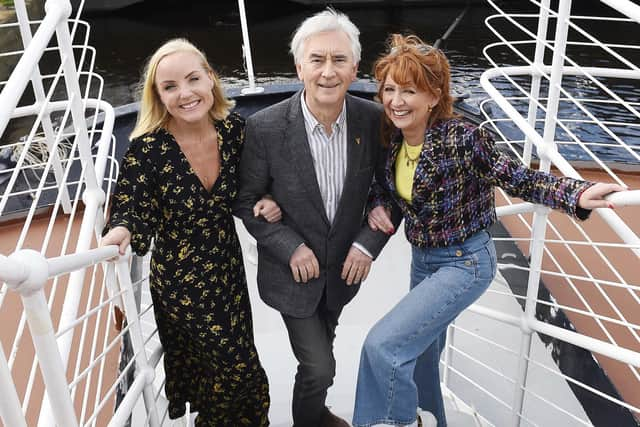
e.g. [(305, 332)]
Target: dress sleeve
[(518, 180), (135, 201)]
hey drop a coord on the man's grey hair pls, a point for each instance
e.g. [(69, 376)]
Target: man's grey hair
[(322, 22)]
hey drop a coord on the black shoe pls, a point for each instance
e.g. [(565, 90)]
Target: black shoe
[(331, 420)]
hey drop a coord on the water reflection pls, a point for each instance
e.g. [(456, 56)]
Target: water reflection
[(124, 41)]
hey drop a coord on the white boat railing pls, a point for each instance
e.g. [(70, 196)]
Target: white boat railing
[(68, 296), (544, 88), (78, 150)]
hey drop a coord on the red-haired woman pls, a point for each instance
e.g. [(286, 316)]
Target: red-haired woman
[(439, 176)]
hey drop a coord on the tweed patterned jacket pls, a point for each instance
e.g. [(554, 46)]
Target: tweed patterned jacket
[(452, 194)]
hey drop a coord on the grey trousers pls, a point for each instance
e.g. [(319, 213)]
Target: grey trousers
[(312, 339)]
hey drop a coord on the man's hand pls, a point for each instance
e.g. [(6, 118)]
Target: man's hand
[(304, 265), (356, 266)]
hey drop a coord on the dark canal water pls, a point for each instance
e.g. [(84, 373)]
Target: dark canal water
[(124, 39)]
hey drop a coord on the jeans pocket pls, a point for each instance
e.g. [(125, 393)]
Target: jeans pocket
[(491, 254), (469, 263)]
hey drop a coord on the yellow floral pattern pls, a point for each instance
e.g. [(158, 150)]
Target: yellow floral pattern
[(197, 279)]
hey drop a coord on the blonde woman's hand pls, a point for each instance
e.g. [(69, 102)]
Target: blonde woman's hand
[(593, 197), (117, 236), (268, 208), (380, 219)]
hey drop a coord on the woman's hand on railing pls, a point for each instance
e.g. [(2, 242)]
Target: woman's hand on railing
[(594, 196), (120, 236)]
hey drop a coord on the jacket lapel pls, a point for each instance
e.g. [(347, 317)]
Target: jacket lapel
[(390, 174), (298, 145), (355, 150)]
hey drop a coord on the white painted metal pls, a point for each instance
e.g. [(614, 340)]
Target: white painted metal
[(19, 78), (10, 412), (246, 50), (41, 328), (625, 7), (38, 88), (143, 366), (536, 79), (521, 350)]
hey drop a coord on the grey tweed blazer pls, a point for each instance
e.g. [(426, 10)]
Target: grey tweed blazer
[(276, 160)]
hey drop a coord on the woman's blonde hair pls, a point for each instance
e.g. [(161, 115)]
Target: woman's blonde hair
[(153, 115), (409, 60)]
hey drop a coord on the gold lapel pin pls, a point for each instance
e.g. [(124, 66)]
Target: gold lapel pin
[(357, 140)]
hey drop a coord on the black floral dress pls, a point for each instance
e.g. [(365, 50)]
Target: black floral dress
[(197, 279)]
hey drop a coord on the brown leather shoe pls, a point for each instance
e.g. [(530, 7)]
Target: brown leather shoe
[(332, 420)]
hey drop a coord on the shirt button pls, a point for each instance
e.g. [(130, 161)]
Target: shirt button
[(467, 263), (458, 252)]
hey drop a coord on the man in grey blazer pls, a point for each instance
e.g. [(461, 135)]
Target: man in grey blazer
[(315, 153)]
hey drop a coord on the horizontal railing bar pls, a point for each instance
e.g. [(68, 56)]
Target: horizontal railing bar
[(481, 364), (576, 418), (476, 385), (588, 343), (89, 313), (583, 386), (77, 261), (479, 337), (620, 354), (589, 314)]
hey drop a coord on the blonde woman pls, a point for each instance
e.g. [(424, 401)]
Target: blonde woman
[(176, 186)]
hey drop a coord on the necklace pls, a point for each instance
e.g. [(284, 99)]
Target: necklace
[(411, 161)]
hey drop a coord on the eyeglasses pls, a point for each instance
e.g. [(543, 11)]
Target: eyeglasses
[(423, 49)]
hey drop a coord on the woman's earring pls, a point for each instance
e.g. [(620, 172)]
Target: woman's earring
[(429, 108)]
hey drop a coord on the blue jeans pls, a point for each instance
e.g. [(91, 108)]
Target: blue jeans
[(399, 360)]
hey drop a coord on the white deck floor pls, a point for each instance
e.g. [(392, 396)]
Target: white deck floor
[(387, 283)]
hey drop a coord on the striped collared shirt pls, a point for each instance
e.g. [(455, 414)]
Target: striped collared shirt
[(329, 154)]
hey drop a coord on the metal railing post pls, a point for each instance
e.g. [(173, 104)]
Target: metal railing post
[(10, 410), (246, 49), (448, 353), (135, 333), (41, 327), (17, 82), (74, 93), (538, 61), (93, 196), (541, 214), (93, 200), (557, 64), (126, 351), (38, 89)]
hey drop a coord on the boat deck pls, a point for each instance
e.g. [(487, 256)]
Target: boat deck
[(388, 283)]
